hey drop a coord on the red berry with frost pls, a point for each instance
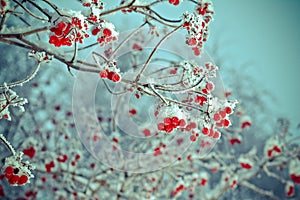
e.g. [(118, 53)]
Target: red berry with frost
[(222, 114), (217, 117), (226, 122), (210, 86), (167, 121), (193, 138), (22, 180), (205, 131), (116, 78), (107, 32), (13, 179), (95, 31), (9, 170), (175, 121), (217, 135), (161, 126), (168, 128), (182, 123), (228, 110), (104, 74)]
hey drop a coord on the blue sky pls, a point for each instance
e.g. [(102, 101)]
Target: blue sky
[(265, 33)]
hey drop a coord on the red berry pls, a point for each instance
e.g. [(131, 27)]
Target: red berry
[(193, 138), (95, 31), (167, 121), (116, 78), (222, 113), (182, 122), (226, 122), (22, 180), (188, 128), (110, 75), (217, 117), (217, 135), (9, 170), (161, 127), (107, 32), (14, 179), (228, 110), (175, 121), (30, 152), (210, 86), (146, 132), (205, 131), (168, 128), (193, 125), (104, 74), (77, 157), (211, 133)]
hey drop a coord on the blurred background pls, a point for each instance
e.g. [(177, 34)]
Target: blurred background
[(255, 43)]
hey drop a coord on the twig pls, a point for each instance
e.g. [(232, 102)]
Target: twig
[(152, 53), (29, 12), (7, 144), (28, 78)]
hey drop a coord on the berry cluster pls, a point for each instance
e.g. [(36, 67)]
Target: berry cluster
[(294, 171), (125, 2), (17, 172), (40, 56), (274, 149), (221, 117), (5, 116), (211, 132), (206, 10), (246, 162), (14, 177), (113, 76), (65, 33), (49, 165), (180, 188), (105, 32), (93, 3), (174, 2), (30, 152), (289, 189), (3, 6), (197, 25), (171, 123), (200, 100), (8, 98)]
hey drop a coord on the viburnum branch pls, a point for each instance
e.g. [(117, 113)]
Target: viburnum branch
[(83, 48), (155, 92), (54, 7), (28, 78), (111, 91), (29, 12), (153, 51), (24, 34), (155, 19), (101, 56), (40, 9), (259, 190), (163, 18), (87, 64), (75, 52), (7, 144), (163, 88), (127, 38), (117, 9), (271, 174)]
